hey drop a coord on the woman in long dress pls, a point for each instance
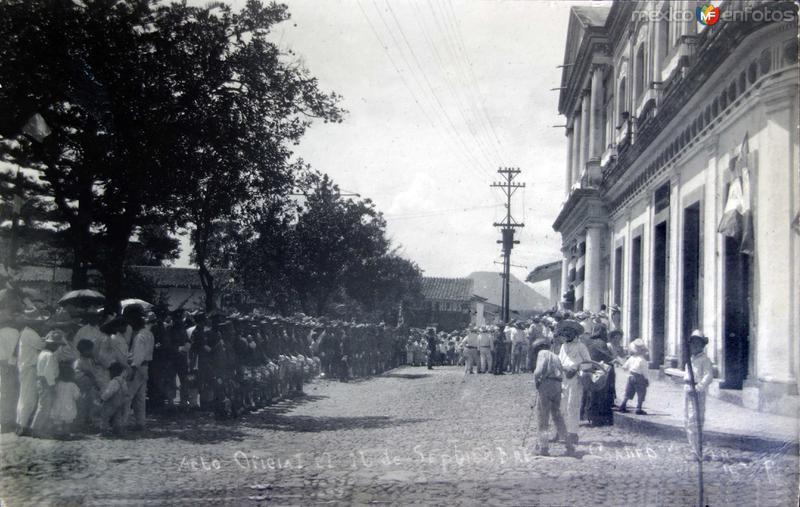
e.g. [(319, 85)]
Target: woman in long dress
[(600, 402)]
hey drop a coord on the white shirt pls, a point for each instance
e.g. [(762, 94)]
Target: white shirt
[(517, 336), (9, 337), (471, 340), (572, 354), (30, 343), (703, 371), (142, 349), (484, 340), (47, 366), (636, 364)]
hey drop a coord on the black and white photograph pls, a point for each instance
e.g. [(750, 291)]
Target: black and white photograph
[(399, 252)]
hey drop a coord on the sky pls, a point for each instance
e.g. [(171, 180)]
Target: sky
[(440, 94)]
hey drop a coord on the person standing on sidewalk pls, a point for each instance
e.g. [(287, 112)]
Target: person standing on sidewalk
[(573, 353), (548, 377), (703, 375)]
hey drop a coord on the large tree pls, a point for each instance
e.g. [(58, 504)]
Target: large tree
[(158, 115)]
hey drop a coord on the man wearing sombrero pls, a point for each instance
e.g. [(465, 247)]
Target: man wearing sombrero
[(703, 371), (573, 353)]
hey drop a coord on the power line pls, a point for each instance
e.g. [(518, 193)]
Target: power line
[(481, 142), (424, 75), (465, 53), (426, 214), (453, 87), (471, 162)]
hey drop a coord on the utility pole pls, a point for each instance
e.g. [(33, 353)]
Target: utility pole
[(507, 231)]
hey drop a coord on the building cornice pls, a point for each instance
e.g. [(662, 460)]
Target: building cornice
[(715, 50)]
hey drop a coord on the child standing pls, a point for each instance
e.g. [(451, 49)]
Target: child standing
[(637, 384), (65, 405)]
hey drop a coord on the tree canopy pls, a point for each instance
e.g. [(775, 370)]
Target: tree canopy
[(158, 115)]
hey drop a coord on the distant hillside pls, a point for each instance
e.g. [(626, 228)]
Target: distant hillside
[(523, 298)]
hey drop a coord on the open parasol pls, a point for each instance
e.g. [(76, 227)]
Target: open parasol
[(134, 301), (81, 298)]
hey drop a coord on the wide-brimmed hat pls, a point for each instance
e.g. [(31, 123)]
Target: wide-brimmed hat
[(698, 335), (569, 327), (55, 336), (540, 343)]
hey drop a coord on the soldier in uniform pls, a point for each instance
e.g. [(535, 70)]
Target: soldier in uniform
[(430, 337), (500, 350)]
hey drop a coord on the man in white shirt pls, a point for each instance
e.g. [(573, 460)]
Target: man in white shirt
[(703, 371), (573, 353), (518, 349), (485, 350), (470, 350), (9, 380), (141, 355), (91, 330)]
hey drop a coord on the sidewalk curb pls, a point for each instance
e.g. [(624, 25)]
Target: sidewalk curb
[(743, 442)]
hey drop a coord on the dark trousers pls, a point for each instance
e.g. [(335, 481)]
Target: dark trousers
[(9, 393), (549, 405), (499, 361), (637, 385)]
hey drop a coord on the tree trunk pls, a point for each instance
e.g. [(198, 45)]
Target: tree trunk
[(207, 282), (80, 271)]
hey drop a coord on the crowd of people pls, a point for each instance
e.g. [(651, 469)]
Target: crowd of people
[(572, 355), (81, 369)]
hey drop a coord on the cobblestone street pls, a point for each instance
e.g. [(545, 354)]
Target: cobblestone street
[(411, 436)]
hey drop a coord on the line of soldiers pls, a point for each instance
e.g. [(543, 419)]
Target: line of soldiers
[(348, 349), (162, 359)]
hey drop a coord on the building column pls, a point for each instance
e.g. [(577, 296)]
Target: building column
[(774, 259), (658, 49), (577, 134), (585, 132), (674, 334), (568, 172), (564, 274), (593, 276), (596, 118)]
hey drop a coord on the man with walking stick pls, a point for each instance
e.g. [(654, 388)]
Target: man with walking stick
[(697, 377), (547, 377)]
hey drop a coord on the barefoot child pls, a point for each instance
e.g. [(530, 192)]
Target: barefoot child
[(637, 381)]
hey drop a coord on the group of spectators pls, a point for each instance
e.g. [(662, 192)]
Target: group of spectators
[(80, 369)]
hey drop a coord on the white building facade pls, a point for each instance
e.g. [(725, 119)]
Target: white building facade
[(664, 116)]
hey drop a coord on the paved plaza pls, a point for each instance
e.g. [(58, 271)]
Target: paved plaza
[(410, 437)]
